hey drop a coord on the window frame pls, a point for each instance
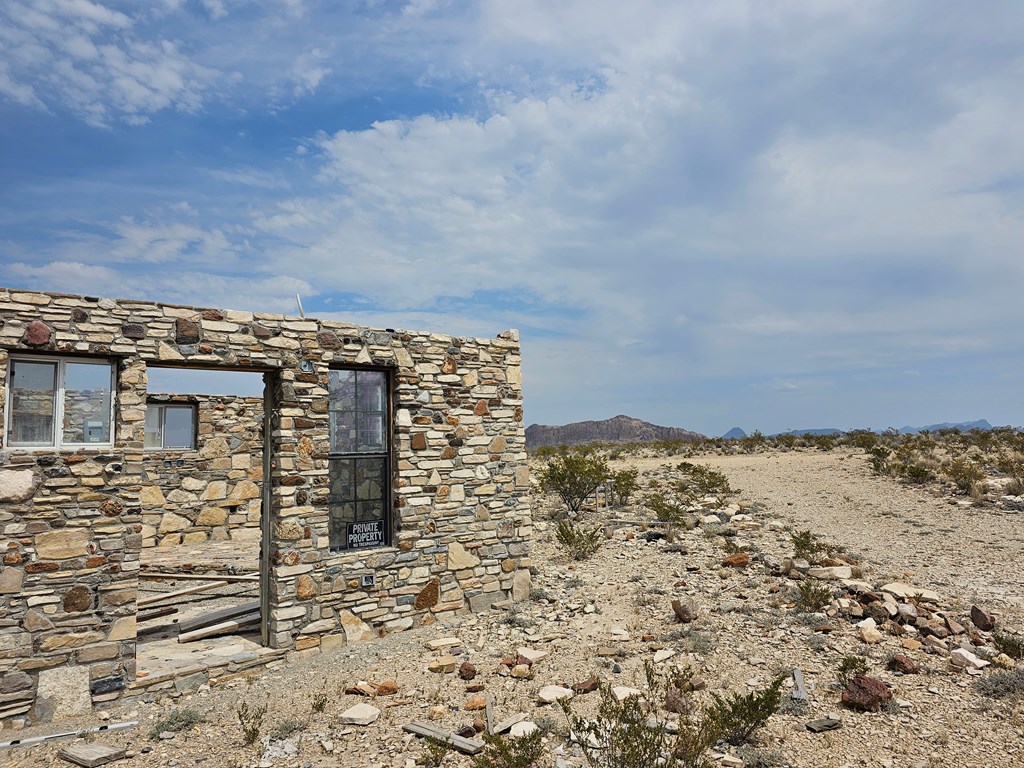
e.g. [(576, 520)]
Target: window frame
[(387, 455), (57, 442), (192, 407)]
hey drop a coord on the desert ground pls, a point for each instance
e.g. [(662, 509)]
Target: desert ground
[(606, 616)]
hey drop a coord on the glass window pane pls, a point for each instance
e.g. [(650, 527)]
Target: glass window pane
[(178, 426), (86, 403), (342, 486), (369, 480), (342, 387), (33, 397), (371, 390), (154, 432), (343, 431), (339, 519), (371, 432)]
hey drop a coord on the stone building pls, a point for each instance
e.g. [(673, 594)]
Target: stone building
[(390, 485)]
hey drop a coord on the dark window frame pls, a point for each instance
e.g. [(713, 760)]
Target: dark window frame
[(353, 457)]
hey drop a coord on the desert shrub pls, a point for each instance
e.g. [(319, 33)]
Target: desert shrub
[(579, 542), (665, 509), (573, 477), (861, 438), (963, 473), (737, 716), (318, 701), (916, 473), (250, 718), (809, 546), (512, 752), (849, 667), (1008, 644), (812, 596), (434, 752), (878, 457), (1002, 685), (624, 485), (177, 720), (704, 480), (761, 758), (1015, 487), (286, 728)]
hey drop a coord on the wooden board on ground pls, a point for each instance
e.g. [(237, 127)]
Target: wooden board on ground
[(90, 755), (799, 690), (220, 629), (215, 617), (462, 744), (157, 613), (507, 724), (144, 601)]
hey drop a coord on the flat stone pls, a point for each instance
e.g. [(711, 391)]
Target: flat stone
[(623, 692), (78, 599), (532, 655), (523, 728), (63, 692), (17, 485), (663, 655), (356, 630), (62, 544), (549, 694), (172, 523), (11, 580), (443, 664), (459, 559), (831, 572), (360, 714), (907, 591), (521, 585), (429, 596)]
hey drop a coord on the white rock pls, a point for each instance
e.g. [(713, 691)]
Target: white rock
[(622, 692), (360, 714), (525, 728), (663, 655), (532, 654), (961, 658), (906, 591), (549, 694)]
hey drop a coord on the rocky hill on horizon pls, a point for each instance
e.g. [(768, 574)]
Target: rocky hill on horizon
[(619, 429)]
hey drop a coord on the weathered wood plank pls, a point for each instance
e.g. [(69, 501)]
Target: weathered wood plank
[(158, 575), (463, 745), (219, 629), (800, 690), (215, 617), (144, 601)]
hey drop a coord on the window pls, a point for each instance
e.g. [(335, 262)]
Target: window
[(359, 465), (56, 402), (171, 426)]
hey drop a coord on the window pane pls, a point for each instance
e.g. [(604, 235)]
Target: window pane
[(343, 431), (357, 503), (371, 390), (371, 432), (178, 426), (33, 395), (154, 433), (369, 481), (86, 403)]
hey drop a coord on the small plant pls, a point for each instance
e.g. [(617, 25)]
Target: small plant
[(286, 728), (1008, 644), (812, 596), (177, 720), (318, 701), (704, 480), (434, 752), (809, 546), (849, 667), (573, 477), (624, 485), (1002, 685), (738, 716), (512, 752), (964, 473), (578, 541), (918, 474), (251, 719)]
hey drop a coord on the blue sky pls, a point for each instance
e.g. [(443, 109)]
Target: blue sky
[(772, 215)]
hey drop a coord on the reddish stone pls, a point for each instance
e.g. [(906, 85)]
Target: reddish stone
[(481, 408), (111, 507), (78, 599), (213, 314), (587, 686), (429, 596), (328, 340), (519, 413), (37, 334), (293, 480), (982, 619), (419, 442), (305, 587), (903, 664), (404, 546), (386, 688), (13, 558), (866, 693), (467, 671), (449, 453), (41, 567), (95, 561), (475, 688), (737, 560), (449, 366), (260, 332), (205, 349)]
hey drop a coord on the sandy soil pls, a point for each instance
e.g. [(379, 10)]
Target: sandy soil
[(591, 618)]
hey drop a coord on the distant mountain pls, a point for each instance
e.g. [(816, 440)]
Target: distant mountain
[(620, 429), (734, 434), (813, 432), (963, 426)]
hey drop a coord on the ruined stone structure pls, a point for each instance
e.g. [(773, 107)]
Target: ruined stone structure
[(395, 483)]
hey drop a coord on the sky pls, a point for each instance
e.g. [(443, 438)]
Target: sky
[(772, 215)]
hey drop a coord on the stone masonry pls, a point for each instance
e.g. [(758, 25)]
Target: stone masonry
[(72, 522), (212, 491)]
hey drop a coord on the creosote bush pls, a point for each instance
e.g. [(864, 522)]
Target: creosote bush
[(849, 667), (1008, 644), (177, 720), (624, 485), (578, 541), (809, 546), (1002, 685), (511, 752), (573, 477), (737, 716), (812, 596)]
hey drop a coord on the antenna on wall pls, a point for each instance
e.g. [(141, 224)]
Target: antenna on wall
[(298, 301)]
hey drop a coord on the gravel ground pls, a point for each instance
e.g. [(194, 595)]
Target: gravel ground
[(592, 618)]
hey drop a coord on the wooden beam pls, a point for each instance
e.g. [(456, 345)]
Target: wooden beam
[(799, 692), (463, 745), (157, 613), (215, 617), (219, 629), (144, 601), (157, 575)]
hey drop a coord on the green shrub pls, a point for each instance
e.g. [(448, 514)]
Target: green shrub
[(809, 546), (1010, 645), (879, 459), (812, 596), (286, 728), (579, 542), (861, 438), (624, 485), (702, 480), (849, 667), (573, 477), (916, 473), (963, 473), (522, 752), (177, 720), (250, 719), (737, 717)]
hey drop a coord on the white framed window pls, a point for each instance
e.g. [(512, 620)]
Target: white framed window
[(171, 426), (59, 402)]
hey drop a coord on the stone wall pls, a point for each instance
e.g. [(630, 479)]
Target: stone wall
[(213, 491), (72, 523)]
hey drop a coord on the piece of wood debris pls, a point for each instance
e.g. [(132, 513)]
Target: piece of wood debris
[(507, 724), (220, 629), (90, 755), (800, 690), (460, 743), (144, 601), (215, 617)]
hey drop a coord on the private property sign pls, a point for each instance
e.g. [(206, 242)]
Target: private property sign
[(370, 534)]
